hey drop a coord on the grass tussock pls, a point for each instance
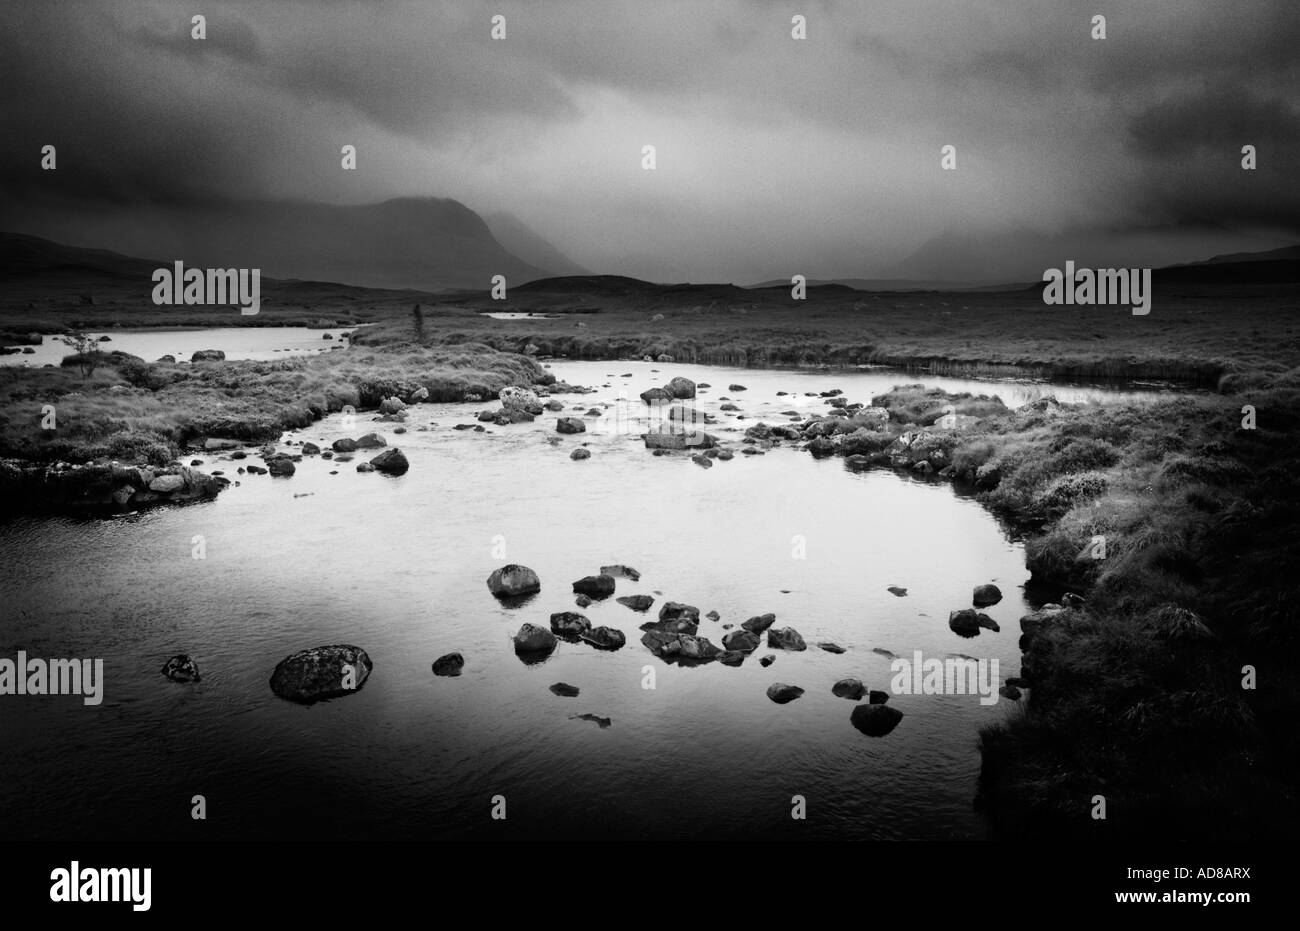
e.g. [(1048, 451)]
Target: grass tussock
[(1139, 697), (134, 411)]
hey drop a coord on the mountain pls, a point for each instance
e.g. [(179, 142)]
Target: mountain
[(424, 243), (525, 243)]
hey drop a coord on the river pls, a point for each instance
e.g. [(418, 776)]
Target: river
[(398, 567)]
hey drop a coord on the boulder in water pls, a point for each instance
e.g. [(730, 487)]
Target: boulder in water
[(636, 602), (513, 581), (875, 720), (534, 639), (320, 673), (785, 638), (782, 694), (449, 665), (569, 624), (595, 586), (852, 689), (986, 595), (180, 668), (391, 461), (604, 638)]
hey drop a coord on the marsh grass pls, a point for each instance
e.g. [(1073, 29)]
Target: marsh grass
[(132, 410)]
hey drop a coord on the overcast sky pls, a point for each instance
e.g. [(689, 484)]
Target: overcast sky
[(820, 156)]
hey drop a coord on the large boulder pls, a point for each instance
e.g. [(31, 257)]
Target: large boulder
[(534, 639), (283, 467), (512, 581), (319, 673), (875, 720), (681, 388), (371, 441), (595, 586), (785, 638), (344, 445), (570, 425), (986, 595), (392, 461), (208, 355)]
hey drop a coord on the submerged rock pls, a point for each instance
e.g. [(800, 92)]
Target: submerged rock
[(180, 668), (986, 595), (564, 690), (832, 647), (621, 572), (392, 462), (602, 723), (785, 638), (636, 602), (742, 641), (570, 425), (897, 591), (852, 689), (604, 638), (320, 673), (679, 646), (781, 693), (449, 665), (595, 586), (580, 453), (875, 720), (533, 639), (569, 624), (760, 623), (767, 660)]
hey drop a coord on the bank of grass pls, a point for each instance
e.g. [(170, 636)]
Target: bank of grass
[(1139, 697), (135, 411)]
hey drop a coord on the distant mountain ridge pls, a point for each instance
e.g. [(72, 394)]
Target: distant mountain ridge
[(422, 243)]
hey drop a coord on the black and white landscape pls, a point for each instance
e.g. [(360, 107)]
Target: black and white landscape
[(649, 421)]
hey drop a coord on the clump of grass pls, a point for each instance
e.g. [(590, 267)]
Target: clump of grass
[(140, 412)]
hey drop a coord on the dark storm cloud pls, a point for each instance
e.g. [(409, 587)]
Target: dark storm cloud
[(1192, 144), (820, 154)]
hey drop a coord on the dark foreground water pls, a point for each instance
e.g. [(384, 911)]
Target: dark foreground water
[(397, 566)]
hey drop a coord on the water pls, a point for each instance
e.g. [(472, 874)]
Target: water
[(515, 315), (398, 566), (258, 343)]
